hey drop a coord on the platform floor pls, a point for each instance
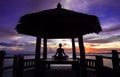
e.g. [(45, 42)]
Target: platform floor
[(60, 71)]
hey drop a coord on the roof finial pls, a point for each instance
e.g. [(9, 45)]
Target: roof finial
[(59, 5)]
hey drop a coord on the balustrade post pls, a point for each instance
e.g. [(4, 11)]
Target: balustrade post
[(15, 64), (19, 67), (2, 55), (115, 63), (99, 66)]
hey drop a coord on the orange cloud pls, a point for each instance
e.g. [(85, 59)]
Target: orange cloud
[(16, 48)]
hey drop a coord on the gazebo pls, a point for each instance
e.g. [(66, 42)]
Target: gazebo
[(58, 23)]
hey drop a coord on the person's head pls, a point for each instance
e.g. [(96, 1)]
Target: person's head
[(60, 45)]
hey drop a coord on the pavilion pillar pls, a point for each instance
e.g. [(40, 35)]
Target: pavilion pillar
[(37, 56), (38, 48), (82, 56), (73, 48), (45, 48)]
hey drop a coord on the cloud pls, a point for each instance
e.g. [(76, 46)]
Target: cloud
[(7, 32), (16, 43), (110, 33), (16, 49), (17, 46), (28, 44), (102, 39), (112, 28), (82, 5), (7, 44), (77, 5), (38, 5)]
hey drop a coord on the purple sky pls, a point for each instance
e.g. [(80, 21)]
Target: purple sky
[(108, 12)]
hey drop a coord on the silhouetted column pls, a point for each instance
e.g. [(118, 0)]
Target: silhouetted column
[(45, 48), (19, 66), (82, 57), (38, 48), (15, 64), (73, 48), (37, 56), (115, 63), (99, 66), (2, 55)]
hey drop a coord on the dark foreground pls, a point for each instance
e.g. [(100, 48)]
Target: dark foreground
[(59, 71), (62, 71)]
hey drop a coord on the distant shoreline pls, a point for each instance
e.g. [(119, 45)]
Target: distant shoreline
[(29, 53)]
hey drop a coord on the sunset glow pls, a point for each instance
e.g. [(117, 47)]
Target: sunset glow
[(16, 48)]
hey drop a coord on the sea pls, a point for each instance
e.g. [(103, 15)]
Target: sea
[(9, 61)]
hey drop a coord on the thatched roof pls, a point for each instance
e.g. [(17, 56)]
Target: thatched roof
[(58, 23)]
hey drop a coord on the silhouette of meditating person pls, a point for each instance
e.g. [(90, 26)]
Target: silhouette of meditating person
[(60, 54)]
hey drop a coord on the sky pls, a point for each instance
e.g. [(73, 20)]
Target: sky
[(108, 12)]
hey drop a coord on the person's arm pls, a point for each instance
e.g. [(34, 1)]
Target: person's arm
[(64, 53), (56, 53)]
